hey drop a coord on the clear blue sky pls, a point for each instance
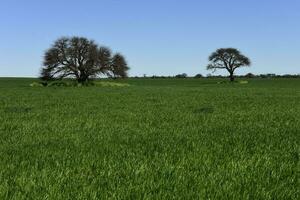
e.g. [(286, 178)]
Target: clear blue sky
[(158, 37)]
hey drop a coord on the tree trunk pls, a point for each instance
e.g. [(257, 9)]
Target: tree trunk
[(231, 77), (82, 79)]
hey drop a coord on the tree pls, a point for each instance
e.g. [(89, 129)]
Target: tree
[(76, 57), (198, 76), (249, 75), (183, 75), (229, 59)]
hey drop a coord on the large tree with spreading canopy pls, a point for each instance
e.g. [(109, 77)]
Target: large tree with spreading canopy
[(80, 58), (229, 59)]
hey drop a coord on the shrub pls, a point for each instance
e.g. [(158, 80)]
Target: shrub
[(184, 75), (36, 84), (249, 75), (111, 84), (198, 76), (58, 84), (243, 82)]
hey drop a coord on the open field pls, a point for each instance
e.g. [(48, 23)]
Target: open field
[(156, 139)]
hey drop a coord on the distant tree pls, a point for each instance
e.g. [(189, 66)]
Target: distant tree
[(290, 76), (198, 76), (271, 75), (249, 75), (79, 58), (267, 75), (263, 76), (229, 59), (184, 75)]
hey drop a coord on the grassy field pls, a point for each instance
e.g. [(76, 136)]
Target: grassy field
[(154, 139)]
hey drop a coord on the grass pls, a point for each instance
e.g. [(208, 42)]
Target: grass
[(157, 139)]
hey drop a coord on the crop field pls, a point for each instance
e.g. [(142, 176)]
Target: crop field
[(150, 139)]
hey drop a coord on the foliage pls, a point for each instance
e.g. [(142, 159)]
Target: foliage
[(36, 84), (158, 139), (60, 84), (243, 82), (249, 75), (198, 76), (71, 83), (110, 84), (184, 75)]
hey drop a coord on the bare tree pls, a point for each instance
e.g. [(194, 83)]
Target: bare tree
[(76, 57), (229, 59)]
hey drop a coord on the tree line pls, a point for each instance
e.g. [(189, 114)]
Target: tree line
[(198, 76)]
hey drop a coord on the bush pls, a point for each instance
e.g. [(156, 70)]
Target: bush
[(198, 76), (70, 84), (243, 82), (111, 84), (76, 84), (249, 75), (58, 84), (36, 84), (184, 75)]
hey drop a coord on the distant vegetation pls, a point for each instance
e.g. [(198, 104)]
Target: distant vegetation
[(184, 75), (198, 76), (71, 83), (250, 75), (82, 59), (209, 76)]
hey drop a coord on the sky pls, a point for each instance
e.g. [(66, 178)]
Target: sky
[(157, 37)]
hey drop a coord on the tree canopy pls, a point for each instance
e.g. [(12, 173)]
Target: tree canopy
[(80, 58)]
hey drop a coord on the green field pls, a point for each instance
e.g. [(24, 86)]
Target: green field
[(154, 139)]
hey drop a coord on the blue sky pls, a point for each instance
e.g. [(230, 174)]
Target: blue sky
[(158, 37)]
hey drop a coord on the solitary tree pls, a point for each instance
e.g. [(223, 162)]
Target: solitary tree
[(229, 59), (77, 57)]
